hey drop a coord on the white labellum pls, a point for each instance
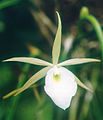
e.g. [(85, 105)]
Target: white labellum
[(60, 85)]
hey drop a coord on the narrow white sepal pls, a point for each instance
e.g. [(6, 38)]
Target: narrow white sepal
[(57, 43), (62, 90)]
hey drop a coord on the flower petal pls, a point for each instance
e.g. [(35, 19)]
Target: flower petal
[(34, 79), (34, 61), (11, 93), (57, 43), (61, 91), (31, 81), (77, 61), (82, 85)]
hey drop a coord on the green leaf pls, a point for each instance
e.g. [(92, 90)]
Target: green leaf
[(34, 79), (77, 61), (82, 85), (34, 61), (7, 3), (57, 43)]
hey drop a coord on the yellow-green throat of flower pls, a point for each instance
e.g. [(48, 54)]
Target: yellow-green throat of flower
[(56, 74)]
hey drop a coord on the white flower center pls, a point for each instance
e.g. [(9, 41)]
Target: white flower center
[(56, 70), (56, 74)]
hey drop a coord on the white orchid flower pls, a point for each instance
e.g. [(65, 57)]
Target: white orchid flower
[(60, 83)]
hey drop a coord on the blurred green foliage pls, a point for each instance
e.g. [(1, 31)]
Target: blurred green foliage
[(6, 75), (28, 26)]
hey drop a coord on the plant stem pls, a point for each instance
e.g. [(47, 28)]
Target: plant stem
[(95, 24)]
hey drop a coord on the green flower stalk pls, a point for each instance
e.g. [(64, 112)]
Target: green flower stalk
[(84, 15), (60, 83)]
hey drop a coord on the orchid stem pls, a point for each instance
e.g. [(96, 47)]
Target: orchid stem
[(84, 15)]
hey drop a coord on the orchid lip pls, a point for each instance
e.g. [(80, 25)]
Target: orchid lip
[(60, 89)]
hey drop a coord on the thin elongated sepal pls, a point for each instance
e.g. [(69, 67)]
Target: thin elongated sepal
[(57, 43), (34, 79), (34, 61), (30, 82), (77, 61), (11, 93), (82, 85)]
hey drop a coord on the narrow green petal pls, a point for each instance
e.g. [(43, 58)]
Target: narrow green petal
[(57, 43), (11, 93), (34, 61), (82, 85), (77, 61), (33, 79)]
